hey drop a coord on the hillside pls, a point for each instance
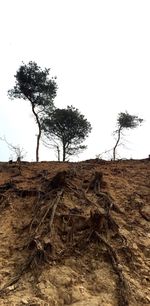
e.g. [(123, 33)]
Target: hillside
[(75, 233)]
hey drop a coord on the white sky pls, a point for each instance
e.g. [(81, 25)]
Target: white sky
[(100, 53)]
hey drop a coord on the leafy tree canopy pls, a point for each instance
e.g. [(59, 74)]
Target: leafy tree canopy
[(125, 120), (33, 84), (69, 127)]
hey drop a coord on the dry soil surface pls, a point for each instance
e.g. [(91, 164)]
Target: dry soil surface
[(75, 233)]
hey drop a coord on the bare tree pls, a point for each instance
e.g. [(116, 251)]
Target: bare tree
[(17, 151), (52, 144)]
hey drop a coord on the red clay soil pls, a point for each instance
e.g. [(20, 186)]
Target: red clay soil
[(75, 233)]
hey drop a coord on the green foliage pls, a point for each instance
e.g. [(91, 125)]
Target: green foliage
[(33, 84), (125, 120), (69, 127)]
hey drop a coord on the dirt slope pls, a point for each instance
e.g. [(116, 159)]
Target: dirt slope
[(75, 233)]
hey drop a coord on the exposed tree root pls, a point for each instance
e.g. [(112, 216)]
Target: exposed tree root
[(16, 278), (28, 192), (96, 182), (73, 230), (4, 201), (122, 284), (38, 246), (58, 181), (54, 209), (6, 186), (144, 215)]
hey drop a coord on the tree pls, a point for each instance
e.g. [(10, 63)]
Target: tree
[(17, 151), (52, 144), (33, 84), (125, 121), (69, 128)]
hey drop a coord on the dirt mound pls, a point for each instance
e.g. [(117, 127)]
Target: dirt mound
[(75, 233)]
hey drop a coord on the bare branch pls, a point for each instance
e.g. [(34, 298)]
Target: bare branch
[(15, 149)]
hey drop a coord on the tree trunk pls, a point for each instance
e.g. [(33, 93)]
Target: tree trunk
[(39, 132), (38, 144), (118, 139), (64, 152), (58, 153)]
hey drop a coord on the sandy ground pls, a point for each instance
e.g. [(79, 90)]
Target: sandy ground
[(75, 233)]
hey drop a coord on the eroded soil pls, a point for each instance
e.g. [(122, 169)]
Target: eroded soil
[(75, 233)]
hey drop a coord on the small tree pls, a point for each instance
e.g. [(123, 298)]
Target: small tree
[(52, 144), (17, 151), (125, 121), (33, 84), (69, 128)]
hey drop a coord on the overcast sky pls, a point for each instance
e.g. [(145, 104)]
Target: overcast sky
[(100, 53)]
